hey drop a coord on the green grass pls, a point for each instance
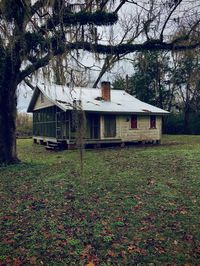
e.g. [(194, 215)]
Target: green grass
[(131, 206)]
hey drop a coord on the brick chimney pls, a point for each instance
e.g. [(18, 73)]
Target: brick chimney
[(105, 90)]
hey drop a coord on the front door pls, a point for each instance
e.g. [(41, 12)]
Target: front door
[(93, 126), (109, 126)]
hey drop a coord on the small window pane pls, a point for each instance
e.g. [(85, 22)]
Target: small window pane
[(152, 121), (134, 121)]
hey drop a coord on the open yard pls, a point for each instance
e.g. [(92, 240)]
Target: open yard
[(131, 206)]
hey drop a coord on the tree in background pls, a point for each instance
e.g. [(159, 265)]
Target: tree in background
[(34, 33), (150, 79), (24, 125), (186, 78)]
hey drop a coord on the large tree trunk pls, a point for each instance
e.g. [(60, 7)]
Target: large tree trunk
[(9, 72), (8, 112)]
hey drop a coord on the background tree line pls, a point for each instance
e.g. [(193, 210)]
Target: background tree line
[(23, 125)]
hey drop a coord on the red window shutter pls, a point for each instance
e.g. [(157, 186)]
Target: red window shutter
[(152, 121), (134, 121)]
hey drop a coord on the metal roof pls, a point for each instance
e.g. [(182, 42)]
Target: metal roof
[(90, 98)]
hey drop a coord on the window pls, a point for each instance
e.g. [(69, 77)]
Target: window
[(152, 121), (109, 126), (134, 121)]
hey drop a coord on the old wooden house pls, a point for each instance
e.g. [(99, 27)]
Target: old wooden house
[(112, 116)]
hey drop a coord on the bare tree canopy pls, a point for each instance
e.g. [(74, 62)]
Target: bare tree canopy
[(33, 33), (153, 26)]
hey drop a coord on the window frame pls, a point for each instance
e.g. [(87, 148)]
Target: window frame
[(134, 122), (152, 121)]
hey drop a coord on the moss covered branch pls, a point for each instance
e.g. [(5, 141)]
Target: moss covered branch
[(130, 48), (98, 18)]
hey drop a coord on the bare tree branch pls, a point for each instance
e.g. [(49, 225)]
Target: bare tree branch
[(167, 19), (120, 5), (29, 84)]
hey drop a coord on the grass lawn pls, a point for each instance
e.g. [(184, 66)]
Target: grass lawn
[(131, 206)]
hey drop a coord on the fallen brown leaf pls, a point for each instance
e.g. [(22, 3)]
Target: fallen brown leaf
[(17, 262), (91, 263), (33, 260), (111, 253)]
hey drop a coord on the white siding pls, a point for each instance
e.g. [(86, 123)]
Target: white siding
[(142, 133)]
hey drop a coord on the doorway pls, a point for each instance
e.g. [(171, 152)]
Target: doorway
[(110, 126), (93, 126)]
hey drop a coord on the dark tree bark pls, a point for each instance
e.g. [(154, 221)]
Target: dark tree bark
[(187, 109), (102, 72), (8, 112), (8, 104), (186, 120)]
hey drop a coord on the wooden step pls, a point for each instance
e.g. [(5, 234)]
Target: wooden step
[(49, 148), (53, 144)]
